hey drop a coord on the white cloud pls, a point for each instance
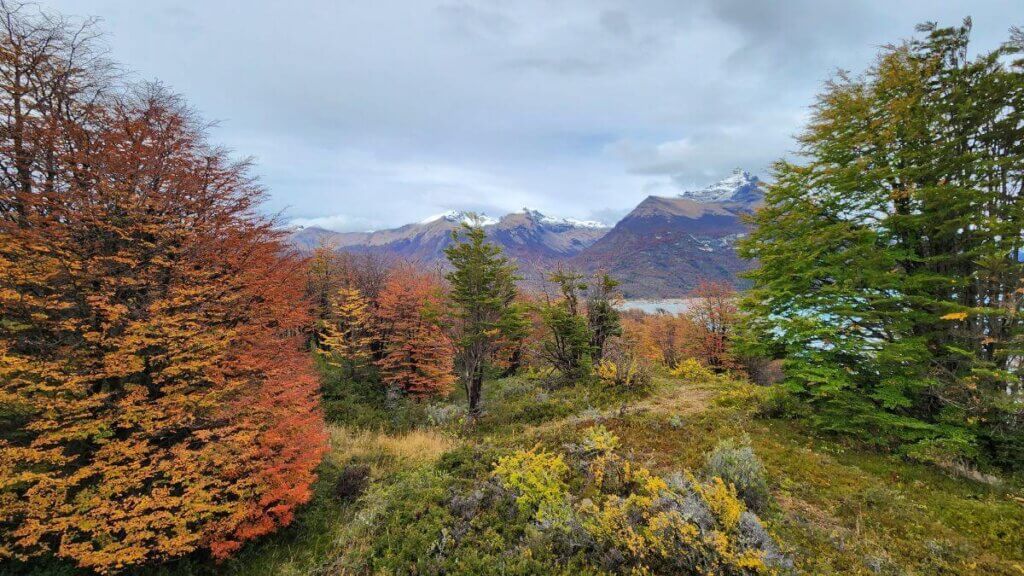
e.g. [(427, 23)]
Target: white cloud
[(385, 112)]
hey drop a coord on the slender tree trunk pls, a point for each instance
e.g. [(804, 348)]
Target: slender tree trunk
[(475, 385)]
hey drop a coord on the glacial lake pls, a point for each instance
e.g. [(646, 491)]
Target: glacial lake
[(654, 306)]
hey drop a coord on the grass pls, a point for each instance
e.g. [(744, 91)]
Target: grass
[(387, 452)]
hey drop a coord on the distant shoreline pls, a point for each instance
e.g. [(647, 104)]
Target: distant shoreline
[(656, 305)]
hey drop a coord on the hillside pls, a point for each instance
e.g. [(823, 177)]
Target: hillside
[(532, 238)]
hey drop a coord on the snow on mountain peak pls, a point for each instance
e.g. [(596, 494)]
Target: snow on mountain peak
[(740, 186), (537, 216), (460, 217)]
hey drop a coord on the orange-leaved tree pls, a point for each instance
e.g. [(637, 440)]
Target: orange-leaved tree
[(155, 399), (418, 357), (713, 314)]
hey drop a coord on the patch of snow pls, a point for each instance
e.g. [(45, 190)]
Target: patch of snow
[(460, 217), (740, 186), (566, 222)]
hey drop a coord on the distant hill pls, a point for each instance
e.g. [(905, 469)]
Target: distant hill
[(659, 250)]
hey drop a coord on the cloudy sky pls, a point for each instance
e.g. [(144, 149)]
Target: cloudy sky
[(366, 115)]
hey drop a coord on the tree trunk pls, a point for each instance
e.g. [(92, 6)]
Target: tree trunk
[(475, 385)]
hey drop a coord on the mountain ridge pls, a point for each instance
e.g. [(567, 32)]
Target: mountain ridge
[(662, 248)]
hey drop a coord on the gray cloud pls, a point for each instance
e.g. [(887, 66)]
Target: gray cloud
[(373, 114)]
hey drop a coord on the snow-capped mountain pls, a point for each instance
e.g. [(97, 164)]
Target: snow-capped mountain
[(667, 245), (460, 217), (527, 235), (663, 248), (740, 186)]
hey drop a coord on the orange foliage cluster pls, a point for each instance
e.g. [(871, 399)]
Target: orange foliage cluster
[(703, 332), (418, 357), (155, 398)]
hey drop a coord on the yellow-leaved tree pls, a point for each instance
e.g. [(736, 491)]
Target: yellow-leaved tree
[(345, 336)]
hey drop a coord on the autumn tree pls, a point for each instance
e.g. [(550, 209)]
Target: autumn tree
[(324, 277), (712, 313), (156, 399), (346, 334), (482, 294), (418, 357)]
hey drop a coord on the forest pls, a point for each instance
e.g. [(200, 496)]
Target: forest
[(184, 393)]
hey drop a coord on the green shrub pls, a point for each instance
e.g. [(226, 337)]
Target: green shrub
[(538, 479), (737, 464)]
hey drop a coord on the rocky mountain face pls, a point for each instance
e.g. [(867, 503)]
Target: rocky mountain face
[(662, 249), (667, 245)]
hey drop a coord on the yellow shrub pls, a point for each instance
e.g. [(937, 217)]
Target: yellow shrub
[(692, 369), (539, 478)]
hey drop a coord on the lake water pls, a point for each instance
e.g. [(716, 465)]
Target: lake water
[(654, 306)]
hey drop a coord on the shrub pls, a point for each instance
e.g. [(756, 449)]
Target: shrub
[(763, 371), (624, 365), (778, 402), (538, 478), (352, 482), (613, 516), (737, 464), (445, 414), (691, 369)]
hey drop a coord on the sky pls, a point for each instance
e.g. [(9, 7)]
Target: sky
[(369, 115)]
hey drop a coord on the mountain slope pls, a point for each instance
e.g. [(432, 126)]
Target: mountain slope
[(667, 245), (663, 248), (528, 236)]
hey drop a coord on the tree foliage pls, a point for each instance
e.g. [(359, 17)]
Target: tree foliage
[(712, 315), (417, 355), (890, 261), (569, 344), (155, 400), (346, 335), (602, 317), (486, 316)]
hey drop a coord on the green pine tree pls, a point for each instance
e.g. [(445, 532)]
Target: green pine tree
[(483, 290)]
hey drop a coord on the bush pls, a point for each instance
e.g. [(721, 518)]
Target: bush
[(596, 511), (352, 482), (445, 414), (763, 371), (691, 369), (737, 464), (778, 402)]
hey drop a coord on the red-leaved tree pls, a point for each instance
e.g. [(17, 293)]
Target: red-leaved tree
[(156, 399), (418, 357)]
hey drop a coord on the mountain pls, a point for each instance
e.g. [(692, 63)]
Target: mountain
[(666, 245), (661, 249), (532, 238)]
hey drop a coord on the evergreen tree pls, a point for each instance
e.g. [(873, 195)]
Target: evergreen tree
[(890, 262), (602, 317), (568, 346), (486, 317)]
